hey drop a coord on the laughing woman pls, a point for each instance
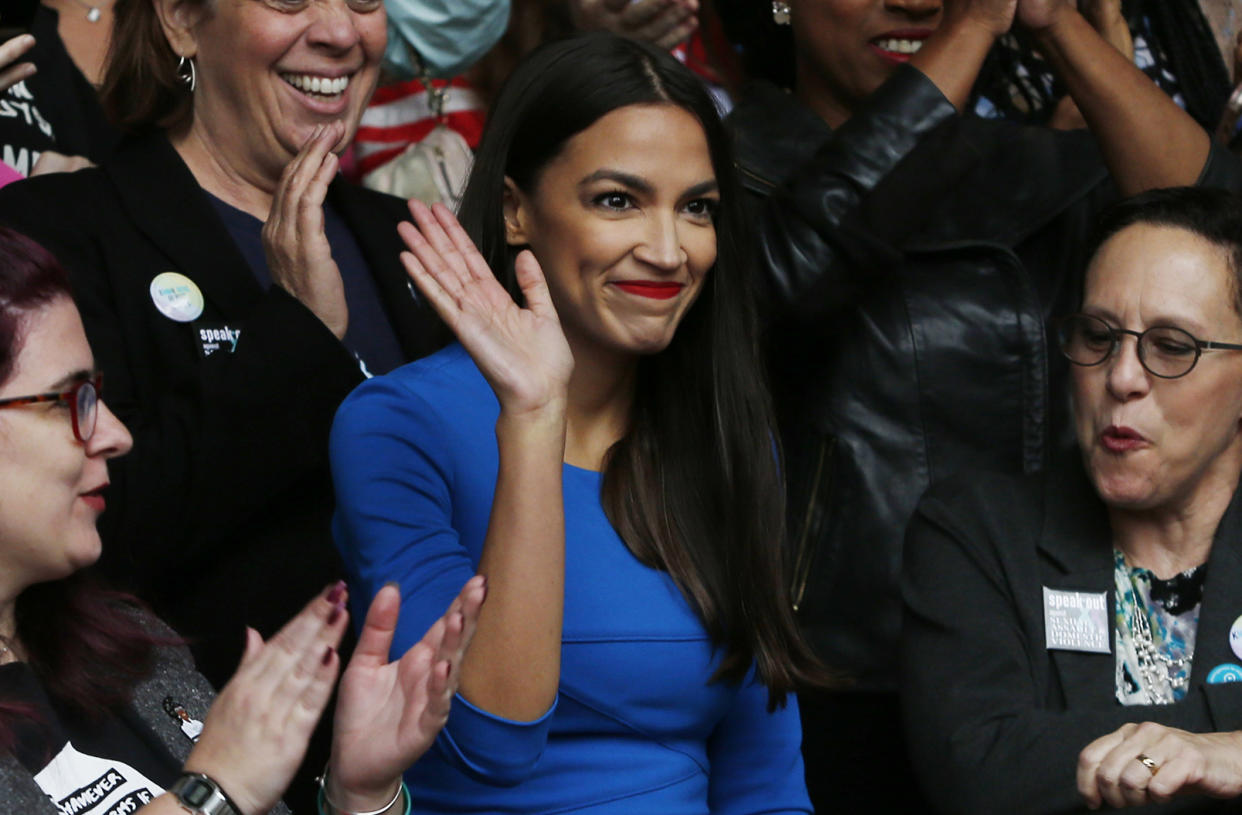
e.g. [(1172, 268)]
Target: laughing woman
[(602, 453)]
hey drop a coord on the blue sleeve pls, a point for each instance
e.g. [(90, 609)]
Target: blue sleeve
[(393, 468), (756, 757)]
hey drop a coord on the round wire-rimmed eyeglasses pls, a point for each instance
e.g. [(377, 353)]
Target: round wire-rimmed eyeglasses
[(1164, 351), (82, 399)]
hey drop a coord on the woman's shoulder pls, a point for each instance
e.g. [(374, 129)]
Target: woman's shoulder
[(444, 389), (1007, 510)]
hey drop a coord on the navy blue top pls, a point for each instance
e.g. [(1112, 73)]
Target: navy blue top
[(636, 726), (369, 334)]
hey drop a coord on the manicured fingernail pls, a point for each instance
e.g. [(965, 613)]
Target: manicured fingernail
[(334, 614), (327, 655), (334, 595)]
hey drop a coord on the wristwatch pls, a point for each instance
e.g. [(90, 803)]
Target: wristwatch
[(202, 796)]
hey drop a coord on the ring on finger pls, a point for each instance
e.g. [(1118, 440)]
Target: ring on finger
[(1148, 762)]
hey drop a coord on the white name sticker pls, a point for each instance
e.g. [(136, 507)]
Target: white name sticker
[(1076, 621)]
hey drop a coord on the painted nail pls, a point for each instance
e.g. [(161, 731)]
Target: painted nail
[(334, 596), (327, 655), (334, 614)]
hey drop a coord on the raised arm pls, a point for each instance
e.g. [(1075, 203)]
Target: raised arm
[(1147, 140), (513, 670), (818, 251)]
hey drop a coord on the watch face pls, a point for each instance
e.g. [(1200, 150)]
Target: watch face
[(196, 792)]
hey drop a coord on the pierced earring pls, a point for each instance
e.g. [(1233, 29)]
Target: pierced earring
[(780, 12), (187, 73)]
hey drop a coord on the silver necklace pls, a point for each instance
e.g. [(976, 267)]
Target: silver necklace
[(1158, 669)]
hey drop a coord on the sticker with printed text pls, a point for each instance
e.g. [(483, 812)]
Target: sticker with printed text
[(1076, 621)]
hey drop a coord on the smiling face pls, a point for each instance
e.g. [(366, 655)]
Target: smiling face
[(270, 71), (845, 49), (1152, 443), (621, 223), (50, 483)]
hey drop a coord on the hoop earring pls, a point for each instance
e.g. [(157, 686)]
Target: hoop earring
[(780, 12), (187, 75)]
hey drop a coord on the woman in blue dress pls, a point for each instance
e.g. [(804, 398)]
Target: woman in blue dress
[(600, 449)]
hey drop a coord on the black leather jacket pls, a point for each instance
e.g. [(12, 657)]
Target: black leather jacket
[(912, 263)]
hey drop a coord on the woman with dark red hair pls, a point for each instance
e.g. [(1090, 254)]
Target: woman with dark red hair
[(100, 707)]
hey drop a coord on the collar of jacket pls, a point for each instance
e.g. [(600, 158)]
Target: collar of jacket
[(992, 182)]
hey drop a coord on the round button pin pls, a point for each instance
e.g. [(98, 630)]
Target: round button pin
[(1225, 672), (1235, 637), (176, 296)]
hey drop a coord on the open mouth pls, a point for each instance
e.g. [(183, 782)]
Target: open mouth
[(95, 498), (321, 86)]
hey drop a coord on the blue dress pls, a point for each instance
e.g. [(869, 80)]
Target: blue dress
[(635, 727)]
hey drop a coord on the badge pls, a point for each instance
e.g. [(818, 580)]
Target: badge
[(191, 727), (1076, 621), (176, 296), (213, 337), (1225, 672), (1235, 637)]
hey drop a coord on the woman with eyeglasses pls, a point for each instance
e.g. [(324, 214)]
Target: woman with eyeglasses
[(1073, 638), (101, 710)]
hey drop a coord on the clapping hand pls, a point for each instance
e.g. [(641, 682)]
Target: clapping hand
[(521, 352), (294, 240), (1149, 763), (255, 735), (12, 71), (388, 713)]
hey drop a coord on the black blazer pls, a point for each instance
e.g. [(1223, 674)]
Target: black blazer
[(220, 517), (995, 721)]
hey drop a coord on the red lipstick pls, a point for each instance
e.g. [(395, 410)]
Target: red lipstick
[(656, 290), (1121, 439)]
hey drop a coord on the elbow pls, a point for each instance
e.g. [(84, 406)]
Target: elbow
[(490, 749)]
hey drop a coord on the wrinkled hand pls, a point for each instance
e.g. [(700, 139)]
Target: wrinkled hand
[(256, 732), (52, 162), (1038, 15), (388, 713), (294, 240), (12, 71), (663, 23), (1109, 770), (521, 352)]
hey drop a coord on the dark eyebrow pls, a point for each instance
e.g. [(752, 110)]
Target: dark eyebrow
[(641, 185), (702, 188), (68, 380), (625, 179)]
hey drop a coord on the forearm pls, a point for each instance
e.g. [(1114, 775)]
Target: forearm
[(1147, 140), (953, 56), (513, 667)]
